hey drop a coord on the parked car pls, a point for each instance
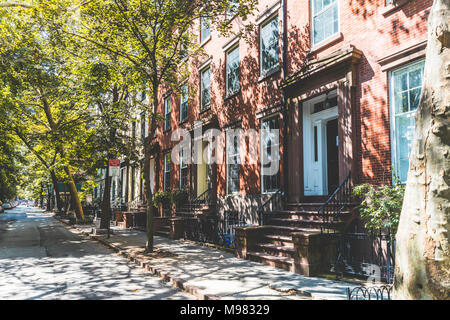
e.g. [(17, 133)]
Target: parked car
[(7, 205)]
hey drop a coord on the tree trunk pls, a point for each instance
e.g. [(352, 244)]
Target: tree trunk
[(147, 183), (106, 204), (57, 195), (423, 254), (74, 195)]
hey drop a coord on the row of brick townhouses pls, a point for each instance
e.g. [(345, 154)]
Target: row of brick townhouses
[(340, 80)]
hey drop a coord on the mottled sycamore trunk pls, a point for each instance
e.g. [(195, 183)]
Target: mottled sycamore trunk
[(423, 254)]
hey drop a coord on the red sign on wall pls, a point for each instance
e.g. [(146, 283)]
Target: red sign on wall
[(114, 162)]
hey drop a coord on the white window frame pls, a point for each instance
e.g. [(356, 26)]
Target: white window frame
[(228, 156), (202, 71), (277, 115), (167, 102), (202, 38), (393, 114), (265, 23), (314, 44), (184, 97), (233, 49), (183, 165), (167, 162)]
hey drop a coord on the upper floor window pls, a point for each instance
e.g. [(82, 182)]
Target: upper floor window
[(232, 10), (166, 171), (406, 87), (233, 71), (205, 88), (167, 113), (205, 30), (325, 19), (269, 45), (184, 103)]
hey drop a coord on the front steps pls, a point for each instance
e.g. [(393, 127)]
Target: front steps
[(276, 246)]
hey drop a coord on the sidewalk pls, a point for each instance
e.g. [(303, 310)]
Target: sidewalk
[(209, 273)]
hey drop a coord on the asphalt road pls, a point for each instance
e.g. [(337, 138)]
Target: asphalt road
[(41, 259)]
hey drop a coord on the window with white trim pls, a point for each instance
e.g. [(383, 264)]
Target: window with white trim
[(205, 30), (406, 87), (184, 103), (270, 150), (233, 165), (269, 45), (183, 169), (167, 171), (167, 113), (232, 71), (205, 88), (325, 19)]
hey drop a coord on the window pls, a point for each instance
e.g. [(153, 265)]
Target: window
[(205, 89), (325, 20), (167, 113), (143, 126), (184, 103), (167, 171), (233, 165), (205, 30), (270, 149), (406, 87), (183, 169), (133, 176), (233, 71), (232, 10), (269, 45)]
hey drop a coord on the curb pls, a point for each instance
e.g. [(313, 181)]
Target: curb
[(163, 275)]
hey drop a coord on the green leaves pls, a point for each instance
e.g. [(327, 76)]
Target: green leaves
[(380, 207)]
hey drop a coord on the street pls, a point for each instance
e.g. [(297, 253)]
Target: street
[(41, 259)]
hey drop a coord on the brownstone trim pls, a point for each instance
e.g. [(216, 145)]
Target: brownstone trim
[(403, 56), (390, 8)]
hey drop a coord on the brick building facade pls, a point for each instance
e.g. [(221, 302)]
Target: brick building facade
[(339, 78)]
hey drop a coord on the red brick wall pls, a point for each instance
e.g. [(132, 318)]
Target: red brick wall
[(363, 25)]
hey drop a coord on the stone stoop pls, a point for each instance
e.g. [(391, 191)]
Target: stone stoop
[(291, 239)]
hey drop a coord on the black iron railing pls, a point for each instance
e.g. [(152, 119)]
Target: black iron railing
[(274, 202), (204, 198), (213, 229), (370, 293), (365, 255), (336, 203)]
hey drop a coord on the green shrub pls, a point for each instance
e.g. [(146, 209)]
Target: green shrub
[(380, 206), (161, 198)]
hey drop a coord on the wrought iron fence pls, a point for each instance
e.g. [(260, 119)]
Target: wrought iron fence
[(370, 293), (275, 202), (362, 254), (212, 229)]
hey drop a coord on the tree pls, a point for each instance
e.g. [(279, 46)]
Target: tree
[(423, 250), (153, 37), (46, 111)]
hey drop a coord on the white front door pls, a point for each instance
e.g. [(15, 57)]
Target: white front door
[(314, 146)]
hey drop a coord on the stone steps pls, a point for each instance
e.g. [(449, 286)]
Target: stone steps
[(274, 261)]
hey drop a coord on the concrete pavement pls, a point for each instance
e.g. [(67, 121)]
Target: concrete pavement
[(41, 259), (218, 274)]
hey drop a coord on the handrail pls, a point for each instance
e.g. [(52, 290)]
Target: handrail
[(337, 202), (205, 196), (260, 211)]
